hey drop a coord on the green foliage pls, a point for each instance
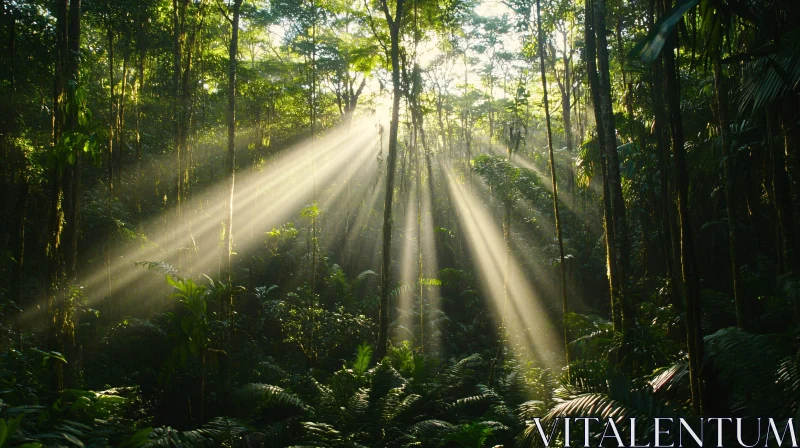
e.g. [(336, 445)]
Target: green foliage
[(470, 435), (317, 332), (363, 358), (189, 323)]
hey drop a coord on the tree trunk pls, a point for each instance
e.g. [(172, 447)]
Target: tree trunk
[(566, 97), (610, 149), (233, 51), (691, 280), (553, 178), (608, 222), (783, 197), (391, 159), (142, 47), (72, 173), (668, 212), (742, 308)]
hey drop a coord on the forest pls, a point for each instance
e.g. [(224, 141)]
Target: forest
[(397, 223)]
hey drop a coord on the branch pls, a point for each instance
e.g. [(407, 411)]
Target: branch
[(387, 13), (223, 11), (375, 31)]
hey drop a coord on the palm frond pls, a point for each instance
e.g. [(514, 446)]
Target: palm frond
[(773, 75), (648, 49)]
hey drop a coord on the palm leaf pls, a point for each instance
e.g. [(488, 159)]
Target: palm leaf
[(648, 49)]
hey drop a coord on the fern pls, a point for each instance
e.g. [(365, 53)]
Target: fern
[(266, 395), (363, 358), (432, 428), (161, 267)]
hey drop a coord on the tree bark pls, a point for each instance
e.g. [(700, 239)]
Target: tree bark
[(233, 51), (782, 195), (608, 221), (691, 280), (391, 160), (553, 178), (610, 149), (72, 173), (142, 47), (742, 308)]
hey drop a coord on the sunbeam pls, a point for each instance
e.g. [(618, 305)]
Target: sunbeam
[(524, 312), (275, 193)]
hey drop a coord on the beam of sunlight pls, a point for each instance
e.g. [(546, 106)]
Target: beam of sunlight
[(430, 269), (408, 271), (524, 311), (265, 197)]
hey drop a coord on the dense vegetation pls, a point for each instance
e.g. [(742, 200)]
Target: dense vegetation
[(394, 223)]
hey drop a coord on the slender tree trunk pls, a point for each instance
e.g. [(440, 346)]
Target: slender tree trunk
[(668, 211), (71, 185), (691, 280), (18, 252), (120, 131), (54, 252), (72, 173), (7, 115), (395, 24), (566, 97), (231, 121), (178, 107), (233, 51), (782, 195), (17, 224), (142, 46), (553, 178), (608, 222), (742, 308), (610, 149), (110, 158)]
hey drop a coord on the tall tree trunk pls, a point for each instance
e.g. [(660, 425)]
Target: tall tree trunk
[(178, 107), (54, 251), (72, 173), (231, 122), (233, 51), (668, 221), (782, 194), (7, 115), (71, 190), (57, 288), (395, 24), (742, 308), (142, 47), (566, 95), (691, 280), (553, 177), (18, 252), (608, 221), (110, 158), (16, 230), (610, 149), (120, 131)]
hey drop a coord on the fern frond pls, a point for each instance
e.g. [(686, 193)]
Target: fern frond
[(431, 428), (266, 395)]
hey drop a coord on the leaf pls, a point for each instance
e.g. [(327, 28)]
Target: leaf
[(51, 355), (648, 49), (72, 439), (363, 357), (8, 429), (139, 439)]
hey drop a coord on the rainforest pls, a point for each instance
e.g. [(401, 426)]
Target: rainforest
[(398, 223)]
